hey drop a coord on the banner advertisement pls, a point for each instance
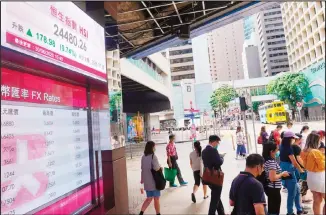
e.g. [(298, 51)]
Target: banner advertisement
[(53, 32), (135, 128)]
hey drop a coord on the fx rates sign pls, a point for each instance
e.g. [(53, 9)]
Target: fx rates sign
[(56, 32)]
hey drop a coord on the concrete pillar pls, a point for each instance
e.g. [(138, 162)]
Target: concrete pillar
[(147, 126)]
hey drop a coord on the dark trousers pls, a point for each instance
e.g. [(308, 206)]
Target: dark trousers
[(176, 166), (274, 200), (216, 203)]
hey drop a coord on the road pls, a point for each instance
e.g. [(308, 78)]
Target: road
[(177, 200)]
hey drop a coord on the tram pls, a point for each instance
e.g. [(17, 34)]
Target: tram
[(272, 113)]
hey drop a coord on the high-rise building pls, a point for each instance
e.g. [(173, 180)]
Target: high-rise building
[(251, 62), (304, 24), (272, 45), (225, 52), (182, 62)]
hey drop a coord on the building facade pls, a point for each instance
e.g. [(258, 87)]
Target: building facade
[(225, 52), (182, 62), (272, 43), (251, 62), (304, 25)]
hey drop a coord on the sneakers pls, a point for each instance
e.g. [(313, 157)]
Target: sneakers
[(206, 197), (193, 198), (284, 190), (184, 183), (173, 185)]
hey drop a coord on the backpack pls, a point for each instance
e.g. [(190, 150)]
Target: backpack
[(260, 140)]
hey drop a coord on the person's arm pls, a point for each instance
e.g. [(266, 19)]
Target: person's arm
[(190, 162), (259, 209), (272, 176), (218, 159), (320, 160), (258, 199), (295, 163), (231, 195), (168, 156)]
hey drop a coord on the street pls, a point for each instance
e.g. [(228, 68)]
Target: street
[(177, 200)]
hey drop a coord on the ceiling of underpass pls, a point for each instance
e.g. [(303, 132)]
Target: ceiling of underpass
[(138, 24)]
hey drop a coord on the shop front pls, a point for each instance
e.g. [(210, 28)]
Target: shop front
[(55, 120)]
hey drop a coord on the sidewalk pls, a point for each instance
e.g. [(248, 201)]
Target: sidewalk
[(177, 200)]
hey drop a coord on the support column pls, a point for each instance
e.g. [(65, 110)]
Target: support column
[(147, 126)]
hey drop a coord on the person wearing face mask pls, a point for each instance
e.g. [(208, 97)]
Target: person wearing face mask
[(290, 164), (213, 160), (247, 193), (274, 175)]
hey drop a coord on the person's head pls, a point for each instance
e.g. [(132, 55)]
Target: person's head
[(288, 138), (171, 137), (304, 129), (298, 139), (255, 164), (269, 151), (321, 134), (197, 147), (239, 129), (149, 148), (313, 141), (214, 140), (279, 127), (263, 129), (289, 124)]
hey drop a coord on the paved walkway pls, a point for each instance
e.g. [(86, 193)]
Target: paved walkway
[(177, 200)]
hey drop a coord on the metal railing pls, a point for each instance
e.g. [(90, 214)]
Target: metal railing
[(147, 69)]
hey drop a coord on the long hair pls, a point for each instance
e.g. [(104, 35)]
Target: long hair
[(306, 127), (149, 148), (238, 129), (197, 147), (262, 130), (312, 141), (267, 149), (286, 141)]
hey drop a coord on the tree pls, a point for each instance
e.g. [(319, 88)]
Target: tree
[(255, 106), (221, 97), (290, 88), (115, 103)]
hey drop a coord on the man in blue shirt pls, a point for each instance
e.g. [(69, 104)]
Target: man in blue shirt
[(213, 160), (247, 193)]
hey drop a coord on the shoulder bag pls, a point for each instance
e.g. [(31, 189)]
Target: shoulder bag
[(158, 176), (213, 177)]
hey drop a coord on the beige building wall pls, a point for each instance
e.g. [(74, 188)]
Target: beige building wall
[(304, 25), (225, 46)]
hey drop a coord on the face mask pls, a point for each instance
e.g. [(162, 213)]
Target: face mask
[(216, 146), (277, 154)]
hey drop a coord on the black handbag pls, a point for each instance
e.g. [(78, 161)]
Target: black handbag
[(158, 176)]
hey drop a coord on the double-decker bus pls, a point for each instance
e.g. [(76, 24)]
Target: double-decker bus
[(273, 113)]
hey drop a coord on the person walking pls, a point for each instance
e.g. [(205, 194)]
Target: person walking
[(197, 167), (149, 161), (213, 161), (263, 134), (276, 135), (304, 132), (289, 164), (240, 141), (247, 193), (314, 162), (274, 175), (172, 157)]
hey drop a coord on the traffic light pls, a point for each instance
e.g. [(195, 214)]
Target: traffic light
[(243, 105)]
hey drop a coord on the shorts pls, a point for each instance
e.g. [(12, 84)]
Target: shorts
[(153, 193), (197, 177)]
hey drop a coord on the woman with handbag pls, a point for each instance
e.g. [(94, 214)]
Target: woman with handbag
[(149, 163), (197, 167)]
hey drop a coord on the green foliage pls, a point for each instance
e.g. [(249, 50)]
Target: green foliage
[(255, 106), (222, 96), (115, 100), (290, 88)]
